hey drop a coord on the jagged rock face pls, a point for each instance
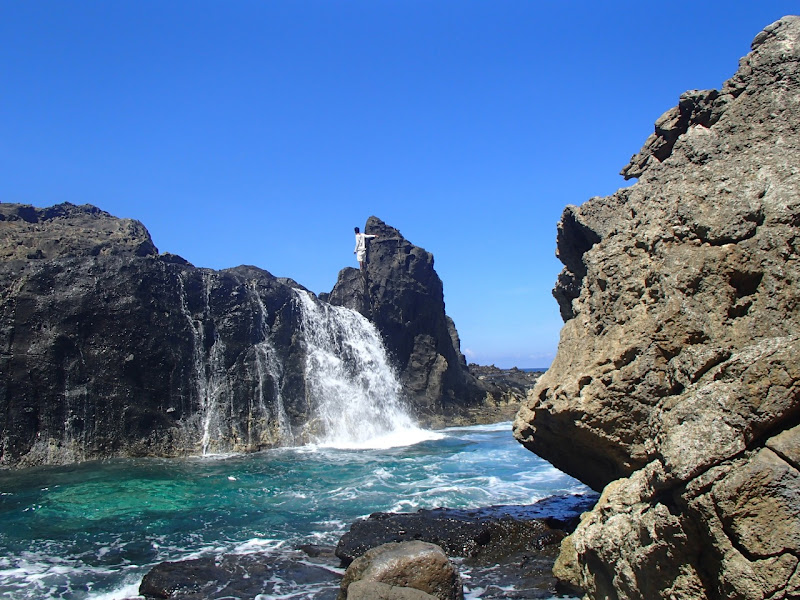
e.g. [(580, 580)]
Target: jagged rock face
[(400, 292), (110, 349), (676, 382)]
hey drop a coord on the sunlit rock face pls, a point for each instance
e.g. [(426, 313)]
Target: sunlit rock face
[(675, 387)]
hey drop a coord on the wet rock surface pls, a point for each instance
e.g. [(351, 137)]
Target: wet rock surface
[(676, 388), (416, 565), (237, 576), (482, 535), (108, 348)]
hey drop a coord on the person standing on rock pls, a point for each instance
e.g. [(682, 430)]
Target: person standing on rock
[(361, 247)]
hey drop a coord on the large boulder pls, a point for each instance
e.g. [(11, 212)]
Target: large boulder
[(108, 348), (401, 293), (418, 565), (676, 385)]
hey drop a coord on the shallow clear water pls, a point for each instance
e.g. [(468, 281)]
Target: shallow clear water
[(93, 530)]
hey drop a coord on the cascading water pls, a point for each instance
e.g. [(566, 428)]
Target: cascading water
[(239, 407), (210, 377), (350, 384), (270, 373)]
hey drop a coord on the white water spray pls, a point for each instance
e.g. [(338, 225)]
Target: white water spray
[(350, 384)]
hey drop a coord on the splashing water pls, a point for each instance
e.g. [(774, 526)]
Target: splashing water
[(350, 383), (91, 531)]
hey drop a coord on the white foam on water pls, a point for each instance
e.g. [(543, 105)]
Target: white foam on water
[(127, 591), (256, 545), (350, 383), (399, 438)]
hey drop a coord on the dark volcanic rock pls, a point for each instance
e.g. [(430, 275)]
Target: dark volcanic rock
[(501, 548), (109, 349), (507, 551), (505, 390), (676, 387), (246, 576), (402, 295), (483, 535)]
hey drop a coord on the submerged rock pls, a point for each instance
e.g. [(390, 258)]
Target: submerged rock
[(246, 576), (676, 387)]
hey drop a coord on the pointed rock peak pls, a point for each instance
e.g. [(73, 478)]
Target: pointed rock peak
[(376, 226)]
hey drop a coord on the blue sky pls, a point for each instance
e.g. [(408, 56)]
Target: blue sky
[(261, 132)]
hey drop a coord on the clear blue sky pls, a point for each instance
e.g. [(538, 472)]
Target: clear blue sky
[(261, 132)]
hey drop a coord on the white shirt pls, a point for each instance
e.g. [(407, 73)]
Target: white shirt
[(361, 241)]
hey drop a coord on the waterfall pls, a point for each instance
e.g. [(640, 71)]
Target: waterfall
[(239, 407), (351, 388)]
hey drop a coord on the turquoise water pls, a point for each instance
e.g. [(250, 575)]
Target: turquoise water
[(93, 530)]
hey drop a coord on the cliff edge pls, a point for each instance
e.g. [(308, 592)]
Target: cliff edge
[(676, 386), (109, 348)]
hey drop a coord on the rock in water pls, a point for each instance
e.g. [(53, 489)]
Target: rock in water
[(675, 387), (402, 295), (417, 565), (110, 349)]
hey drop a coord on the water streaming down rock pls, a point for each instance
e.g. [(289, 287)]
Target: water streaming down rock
[(111, 348), (231, 415), (269, 373), (353, 390), (209, 371)]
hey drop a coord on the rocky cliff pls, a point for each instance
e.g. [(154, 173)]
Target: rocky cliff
[(675, 387), (109, 348), (401, 293)]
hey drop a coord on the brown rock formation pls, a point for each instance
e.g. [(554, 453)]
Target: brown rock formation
[(676, 384), (416, 565)]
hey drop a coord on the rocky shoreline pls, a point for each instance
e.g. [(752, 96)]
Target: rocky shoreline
[(505, 551), (109, 348)]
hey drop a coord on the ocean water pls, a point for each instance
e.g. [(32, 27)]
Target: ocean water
[(93, 530)]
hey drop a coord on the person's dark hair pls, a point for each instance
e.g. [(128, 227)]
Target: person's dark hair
[(356, 229)]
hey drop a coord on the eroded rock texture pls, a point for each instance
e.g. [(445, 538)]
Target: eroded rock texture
[(675, 387)]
